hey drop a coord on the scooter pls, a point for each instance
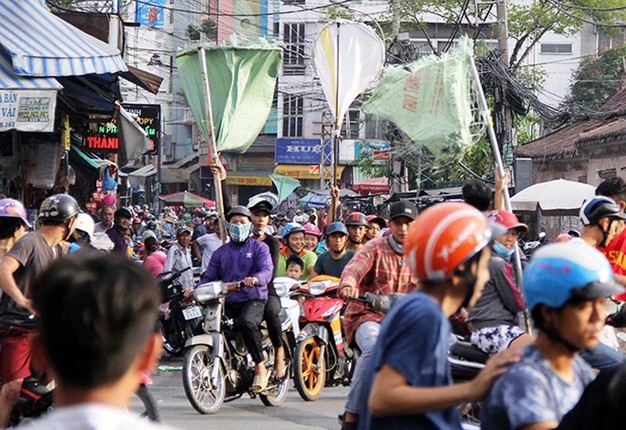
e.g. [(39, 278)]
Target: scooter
[(180, 316), (217, 365), (322, 357)]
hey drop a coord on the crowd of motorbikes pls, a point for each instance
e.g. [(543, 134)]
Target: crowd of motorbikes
[(217, 367)]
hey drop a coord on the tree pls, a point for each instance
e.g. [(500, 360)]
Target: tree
[(208, 28), (597, 79)]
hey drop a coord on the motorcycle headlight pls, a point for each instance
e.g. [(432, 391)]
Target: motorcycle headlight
[(317, 288), (208, 291)]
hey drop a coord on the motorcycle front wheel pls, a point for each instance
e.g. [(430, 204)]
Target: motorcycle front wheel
[(205, 396), (309, 369)]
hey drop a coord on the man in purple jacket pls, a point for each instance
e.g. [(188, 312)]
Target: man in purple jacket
[(248, 260)]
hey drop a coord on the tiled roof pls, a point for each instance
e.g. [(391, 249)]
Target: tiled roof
[(564, 143)]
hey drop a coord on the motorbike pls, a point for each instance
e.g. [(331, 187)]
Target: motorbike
[(35, 400), (180, 317), (217, 367), (529, 247), (321, 358)]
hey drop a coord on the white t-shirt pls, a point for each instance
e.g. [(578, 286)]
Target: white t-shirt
[(180, 259), (92, 416), (208, 244)]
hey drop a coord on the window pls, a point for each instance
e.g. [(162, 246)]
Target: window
[(293, 60), (351, 124), (556, 48), (300, 2), (293, 115)]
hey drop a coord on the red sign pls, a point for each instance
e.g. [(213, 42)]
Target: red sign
[(98, 184), (381, 154)]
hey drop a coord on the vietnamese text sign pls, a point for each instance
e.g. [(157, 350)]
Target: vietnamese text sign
[(150, 13), (299, 151), (104, 137), (249, 180), (27, 110)]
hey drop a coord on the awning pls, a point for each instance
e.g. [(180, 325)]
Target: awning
[(192, 168), (180, 163), (372, 186), (144, 172), (145, 80), (303, 172), (28, 104), (42, 44), (85, 164)]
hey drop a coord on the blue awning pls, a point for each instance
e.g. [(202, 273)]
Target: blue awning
[(42, 44), (10, 81)]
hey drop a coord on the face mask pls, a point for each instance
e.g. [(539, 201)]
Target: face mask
[(502, 250), (239, 232)]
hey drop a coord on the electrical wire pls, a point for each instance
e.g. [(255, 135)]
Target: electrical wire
[(591, 9)]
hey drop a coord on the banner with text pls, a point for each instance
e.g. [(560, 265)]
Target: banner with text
[(27, 110)]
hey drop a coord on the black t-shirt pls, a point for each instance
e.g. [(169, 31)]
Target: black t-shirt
[(274, 245), (34, 255), (327, 265)]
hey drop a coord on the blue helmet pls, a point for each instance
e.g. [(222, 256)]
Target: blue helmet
[(336, 227), (292, 227), (562, 271)]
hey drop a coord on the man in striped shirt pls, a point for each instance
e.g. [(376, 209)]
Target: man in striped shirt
[(378, 268)]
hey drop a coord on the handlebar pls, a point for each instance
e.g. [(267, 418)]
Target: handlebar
[(378, 302)]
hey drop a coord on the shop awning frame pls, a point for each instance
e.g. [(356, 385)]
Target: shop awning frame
[(42, 44), (144, 172)]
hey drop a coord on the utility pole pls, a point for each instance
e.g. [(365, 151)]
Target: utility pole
[(503, 116)]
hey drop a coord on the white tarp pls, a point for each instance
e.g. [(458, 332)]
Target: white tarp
[(347, 56), (558, 197)]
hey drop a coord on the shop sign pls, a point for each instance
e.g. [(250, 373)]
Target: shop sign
[(249, 180), (378, 151), (105, 138), (299, 151), (27, 110)]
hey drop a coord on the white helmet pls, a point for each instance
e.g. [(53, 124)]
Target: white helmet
[(84, 223)]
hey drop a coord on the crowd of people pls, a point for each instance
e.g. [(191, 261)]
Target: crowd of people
[(452, 260)]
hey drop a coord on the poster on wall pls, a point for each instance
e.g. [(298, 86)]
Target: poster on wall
[(27, 110), (150, 13)]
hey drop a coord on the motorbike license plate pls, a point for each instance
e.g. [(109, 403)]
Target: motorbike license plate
[(192, 313)]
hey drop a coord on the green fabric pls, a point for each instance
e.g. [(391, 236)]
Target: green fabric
[(309, 258), (242, 81), (284, 185), (430, 100)]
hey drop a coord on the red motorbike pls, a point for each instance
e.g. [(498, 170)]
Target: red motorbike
[(322, 357)]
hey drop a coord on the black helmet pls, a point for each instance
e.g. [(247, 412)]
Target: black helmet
[(238, 210), (59, 207), (357, 219), (600, 207)]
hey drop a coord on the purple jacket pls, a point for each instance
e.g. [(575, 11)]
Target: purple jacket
[(234, 261), (117, 237)]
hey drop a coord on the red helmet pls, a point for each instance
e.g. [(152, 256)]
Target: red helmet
[(378, 220), (312, 230), (356, 219), (508, 219), (444, 237)]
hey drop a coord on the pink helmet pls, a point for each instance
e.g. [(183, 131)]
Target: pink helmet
[(12, 208), (312, 229)]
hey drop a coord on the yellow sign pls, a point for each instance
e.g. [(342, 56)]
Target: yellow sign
[(260, 181), (303, 172)]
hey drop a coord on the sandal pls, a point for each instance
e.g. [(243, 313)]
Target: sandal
[(281, 375), (259, 383)]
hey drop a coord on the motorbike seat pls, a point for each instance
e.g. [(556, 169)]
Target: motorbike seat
[(467, 351)]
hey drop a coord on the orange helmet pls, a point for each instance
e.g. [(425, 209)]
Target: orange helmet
[(445, 236)]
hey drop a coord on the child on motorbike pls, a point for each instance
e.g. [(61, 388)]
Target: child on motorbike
[(96, 319), (447, 250), (565, 286), (295, 267)]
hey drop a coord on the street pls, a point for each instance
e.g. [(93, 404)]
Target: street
[(294, 414)]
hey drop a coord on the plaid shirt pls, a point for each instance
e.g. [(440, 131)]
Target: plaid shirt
[(376, 269)]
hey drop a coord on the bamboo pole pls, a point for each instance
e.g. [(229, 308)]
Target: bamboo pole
[(334, 204), (486, 117), (219, 202)]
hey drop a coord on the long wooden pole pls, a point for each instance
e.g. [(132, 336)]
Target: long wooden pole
[(486, 118), (334, 204), (219, 202)]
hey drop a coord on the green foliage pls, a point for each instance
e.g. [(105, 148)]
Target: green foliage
[(597, 79), (339, 12), (208, 28), (365, 162), (62, 6)]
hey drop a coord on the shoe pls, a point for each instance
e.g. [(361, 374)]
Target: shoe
[(259, 383), (282, 375)]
